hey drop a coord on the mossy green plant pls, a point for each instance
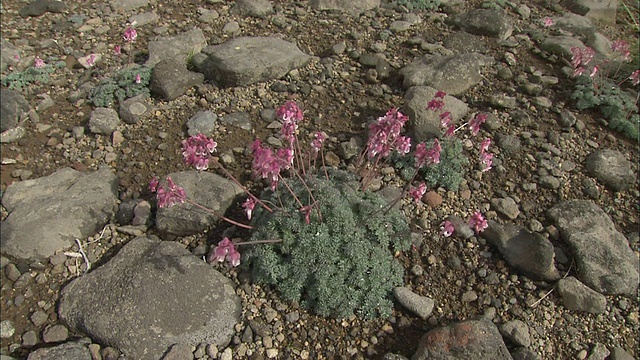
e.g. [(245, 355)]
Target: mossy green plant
[(18, 80), (420, 4), (121, 86), (339, 264)]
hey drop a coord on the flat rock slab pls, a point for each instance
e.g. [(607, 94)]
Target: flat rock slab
[(170, 78), (488, 22), (604, 260), (612, 168), (348, 6), (249, 60), (530, 253), (468, 340), (603, 11), (453, 74), (47, 214), (205, 188), (424, 123), (177, 47), (151, 295)]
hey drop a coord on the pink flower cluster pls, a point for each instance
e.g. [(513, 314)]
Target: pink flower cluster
[(267, 164), (38, 63), (319, 138), (486, 158), (196, 150), (477, 222), (130, 34), (426, 156), (384, 135), (225, 250), (168, 195), (581, 59), (417, 193)]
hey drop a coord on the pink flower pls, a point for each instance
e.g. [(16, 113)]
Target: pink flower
[(316, 144), (581, 56), (91, 60), (478, 222), (168, 195), (435, 104), (306, 210), (451, 130), (130, 34), (288, 130), (547, 21), (578, 71), (403, 144), (593, 72), (117, 50), (635, 77), (196, 150), (38, 63), (476, 122), (416, 193), (440, 94), (445, 119), (268, 165), (248, 206), (226, 250), (486, 159), (138, 79), (384, 134), (484, 146), (446, 228), (621, 47), (290, 111), (16, 57), (426, 156)]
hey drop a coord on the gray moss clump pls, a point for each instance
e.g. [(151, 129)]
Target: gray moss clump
[(121, 86), (340, 266)]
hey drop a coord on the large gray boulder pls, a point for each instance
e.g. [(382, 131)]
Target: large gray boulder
[(611, 168), (47, 214), (247, 60), (425, 123), (151, 295)]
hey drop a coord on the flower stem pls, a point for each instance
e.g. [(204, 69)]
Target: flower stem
[(228, 174)]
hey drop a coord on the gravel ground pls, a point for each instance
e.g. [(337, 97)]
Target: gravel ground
[(466, 278)]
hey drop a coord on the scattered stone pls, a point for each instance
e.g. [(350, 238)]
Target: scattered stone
[(604, 260), (207, 189), (599, 352), (178, 48), (240, 120), (77, 350), (12, 273), (83, 204), (55, 333), (179, 352), (7, 329), (170, 78), (471, 339), (39, 318), (433, 199), (530, 253), (13, 106), (255, 8), (503, 101), (487, 22), (127, 5), (599, 10), (611, 168), (579, 297), (248, 60), (103, 121), (574, 23), (560, 45), (425, 124), (453, 74), (549, 182), (506, 206), (517, 332), (417, 304), (618, 353), (173, 296), (133, 109), (348, 6), (39, 7), (203, 122)]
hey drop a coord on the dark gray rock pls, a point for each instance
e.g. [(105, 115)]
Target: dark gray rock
[(487, 22), (179, 352), (424, 123), (207, 189), (618, 353), (517, 332), (75, 350), (530, 253), (560, 45), (240, 120), (471, 339), (524, 354), (12, 107), (47, 214), (255, 8), (579, 297), (55, 333), (203, 122), (10, 56), (603, 11), (39, 7), (170, 78), (178, 47), (248, 60), (417, 304), (135, 108), (506, 206), (576, 24), (127, 5), (348, 6), (611, 168), (103, 121), (599, 352), (453, 74), (151, 295), (604, 260)]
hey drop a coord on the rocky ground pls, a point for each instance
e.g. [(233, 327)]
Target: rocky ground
[(542, 146)]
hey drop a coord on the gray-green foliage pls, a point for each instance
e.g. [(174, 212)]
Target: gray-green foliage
[(122, 85), (420, 4), (19, 79), (448, 173), (618, 107), (339, 266)]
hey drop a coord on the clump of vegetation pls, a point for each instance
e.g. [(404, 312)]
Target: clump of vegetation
[(340, 265), (126, 83), (18, 80), (449, 173), (420, 4)]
